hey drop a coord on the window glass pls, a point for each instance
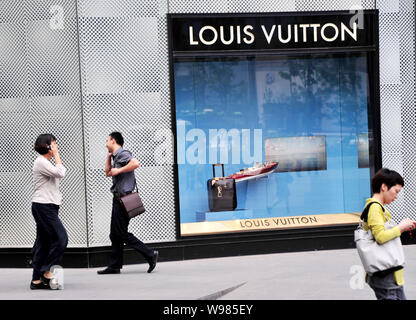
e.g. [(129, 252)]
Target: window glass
[(296, 126)]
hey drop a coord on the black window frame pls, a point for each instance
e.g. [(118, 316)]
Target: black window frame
[(373, 98)]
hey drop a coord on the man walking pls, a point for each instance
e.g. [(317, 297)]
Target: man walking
[(122, 173)]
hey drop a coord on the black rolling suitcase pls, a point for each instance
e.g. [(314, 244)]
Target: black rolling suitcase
[(221, 192)]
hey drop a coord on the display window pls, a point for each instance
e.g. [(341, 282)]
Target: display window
[(271, 142)]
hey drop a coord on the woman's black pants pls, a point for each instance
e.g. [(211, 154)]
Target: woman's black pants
[(51, 238)]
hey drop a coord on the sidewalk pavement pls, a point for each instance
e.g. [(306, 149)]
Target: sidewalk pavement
[(312, 275)]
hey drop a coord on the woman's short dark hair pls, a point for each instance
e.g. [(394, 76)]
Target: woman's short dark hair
[(118, 137), (43, 143), (389, 177)]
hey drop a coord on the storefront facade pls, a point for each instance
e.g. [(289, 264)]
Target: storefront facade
[(300, 103), (308, 100)]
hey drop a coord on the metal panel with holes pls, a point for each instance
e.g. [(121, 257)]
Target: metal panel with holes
[(39, 93), (125, 81), (397, 97)]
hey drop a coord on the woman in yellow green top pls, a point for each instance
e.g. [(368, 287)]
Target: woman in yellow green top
[(386, 185)]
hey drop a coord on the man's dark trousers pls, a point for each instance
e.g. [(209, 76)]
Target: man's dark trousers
[(119, 235)]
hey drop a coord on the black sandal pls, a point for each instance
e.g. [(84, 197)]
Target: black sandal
[(37, 286)]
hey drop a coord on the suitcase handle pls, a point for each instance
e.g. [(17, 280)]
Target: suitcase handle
[(215, 165)]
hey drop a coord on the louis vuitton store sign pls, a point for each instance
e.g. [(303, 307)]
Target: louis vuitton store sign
[(272, 32), (249, 38)]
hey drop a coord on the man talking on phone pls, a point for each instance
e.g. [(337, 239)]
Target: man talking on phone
[(122, 173)]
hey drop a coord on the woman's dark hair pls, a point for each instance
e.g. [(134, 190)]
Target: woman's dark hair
[(386, 176), (118, 137), (43, 143)]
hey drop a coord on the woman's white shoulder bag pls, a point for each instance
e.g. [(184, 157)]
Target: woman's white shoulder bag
[(378, 257)]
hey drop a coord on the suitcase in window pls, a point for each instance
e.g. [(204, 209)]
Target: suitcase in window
[(221, 192)]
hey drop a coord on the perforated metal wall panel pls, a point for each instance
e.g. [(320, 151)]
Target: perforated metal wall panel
[(397, 95), (125, 81), (317, 5), (233, 6), (230, 6), (39, 93)]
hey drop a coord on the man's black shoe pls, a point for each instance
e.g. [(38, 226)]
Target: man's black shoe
[(153, 261), (109, 271)]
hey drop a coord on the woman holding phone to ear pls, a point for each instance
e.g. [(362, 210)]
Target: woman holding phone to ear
[(51, 236)]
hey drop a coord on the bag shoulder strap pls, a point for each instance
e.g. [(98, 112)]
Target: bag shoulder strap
[(364, 214)]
